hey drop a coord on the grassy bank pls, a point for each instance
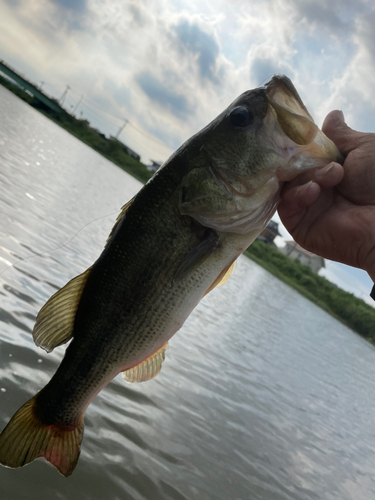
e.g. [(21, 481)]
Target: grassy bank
[(345, 306), (109, 148)]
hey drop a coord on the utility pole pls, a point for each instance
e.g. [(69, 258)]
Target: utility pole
[(121, 129), (78, 103), (62, 98)]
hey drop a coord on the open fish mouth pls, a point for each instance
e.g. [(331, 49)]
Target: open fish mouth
[(294, 134), (292, 114)]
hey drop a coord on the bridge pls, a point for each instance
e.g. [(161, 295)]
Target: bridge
[(30, 87)]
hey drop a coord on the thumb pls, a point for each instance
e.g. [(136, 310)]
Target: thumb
[(345, 138)]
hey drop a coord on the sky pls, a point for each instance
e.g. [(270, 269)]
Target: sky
[(167, 68)]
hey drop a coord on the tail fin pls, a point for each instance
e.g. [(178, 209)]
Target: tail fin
[(25, 438)]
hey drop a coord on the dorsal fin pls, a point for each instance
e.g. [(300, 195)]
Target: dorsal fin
[(223, 277), (148, 369), (119, 218), (55, 321)]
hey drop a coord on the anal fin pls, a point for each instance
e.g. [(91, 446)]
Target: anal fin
[(148, 369), (55, 321)]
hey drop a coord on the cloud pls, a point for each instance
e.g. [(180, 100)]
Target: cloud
[(139, 16), (172, 66), (336, 16), (364, 32), (167, 98), (201, 44), (49, 19), (328, 49), (351, 89), (76, 5), (118, 95), (13, 3), (70, 14)]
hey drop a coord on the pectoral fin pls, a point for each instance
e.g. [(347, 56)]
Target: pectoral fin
[(55, 321), (148, 369), (197, 255)]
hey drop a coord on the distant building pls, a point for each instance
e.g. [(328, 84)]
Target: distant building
[(126, 149), (269, 233), (154, 166), (294, 251)]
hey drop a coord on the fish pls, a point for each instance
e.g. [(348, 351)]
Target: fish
[(174, 242)]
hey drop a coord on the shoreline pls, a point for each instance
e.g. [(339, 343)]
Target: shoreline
[(112, 149), (353, 312)]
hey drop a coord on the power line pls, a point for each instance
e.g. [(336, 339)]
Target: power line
[(121, 129), (140, 131), (76, 107), (90, 111), (150, 137), (153, 147), (62, 98), (91, 104)]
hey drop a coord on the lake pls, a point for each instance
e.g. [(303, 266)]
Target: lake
[(262, 395)]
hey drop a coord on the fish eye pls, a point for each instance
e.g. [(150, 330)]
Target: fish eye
[(240, 116)]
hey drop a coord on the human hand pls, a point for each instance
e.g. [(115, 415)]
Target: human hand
[(331, 211)]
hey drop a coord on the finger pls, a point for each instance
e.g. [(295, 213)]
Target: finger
[(327, 177), (295, 201), (345, 138)]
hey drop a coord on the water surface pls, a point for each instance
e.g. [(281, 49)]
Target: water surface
[(262, 394)]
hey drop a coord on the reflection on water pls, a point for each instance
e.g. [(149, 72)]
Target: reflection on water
[(262, 395)]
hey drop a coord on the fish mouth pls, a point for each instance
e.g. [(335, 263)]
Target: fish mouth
[(292, 132), (292, 114)]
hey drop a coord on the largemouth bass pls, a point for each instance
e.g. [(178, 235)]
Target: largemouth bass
[(175, 241)]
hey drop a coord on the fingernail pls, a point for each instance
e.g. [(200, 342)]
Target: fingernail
[(324, 171), (303, 189)]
